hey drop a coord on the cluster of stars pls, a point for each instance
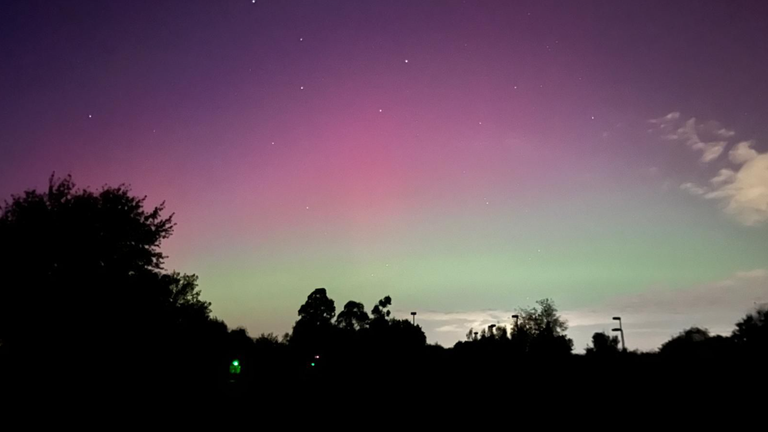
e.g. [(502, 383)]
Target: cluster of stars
[(406, 61)]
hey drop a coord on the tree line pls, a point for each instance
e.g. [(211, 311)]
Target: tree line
[(85, 297)]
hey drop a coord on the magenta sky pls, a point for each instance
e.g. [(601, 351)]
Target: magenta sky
[(466, 158)]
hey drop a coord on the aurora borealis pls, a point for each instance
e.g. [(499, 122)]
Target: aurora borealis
[(465, 157)]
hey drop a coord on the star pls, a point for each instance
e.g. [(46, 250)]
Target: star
[(89, 116), (515, 87), (307, 207), (479, 122), (301, 88), (593, 117), (301, 39), (379, 110), (406, 60), (273, 143)]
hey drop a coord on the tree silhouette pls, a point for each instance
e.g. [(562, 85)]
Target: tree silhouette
[(393, 335), (695, 342), (543, 318), (380, 311), (541, 331), (313, 330), (85, 269), (603, 345), (353, 316), (71, 256), (751, 333)]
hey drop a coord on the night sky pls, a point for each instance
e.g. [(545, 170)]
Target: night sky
[(464, 157)]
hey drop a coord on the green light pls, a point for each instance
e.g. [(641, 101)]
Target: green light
[(234, 368), (312, 364)]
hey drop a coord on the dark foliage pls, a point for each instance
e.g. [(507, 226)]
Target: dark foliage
[(83, 284)]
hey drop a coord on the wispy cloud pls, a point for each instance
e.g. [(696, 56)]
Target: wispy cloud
[(709, 138), (723, 176), (694, 189), (743, 191), (667, 119), (724, 133), (710, 150)]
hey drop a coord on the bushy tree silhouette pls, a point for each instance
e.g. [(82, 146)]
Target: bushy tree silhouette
[(751, 333), (695, 342), (353, 316), (541, 331), (83, 279), (603, 345)]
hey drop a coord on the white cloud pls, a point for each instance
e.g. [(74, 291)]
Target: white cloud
[(745, 194), (448, 328), (724, 133), (689, 134), (742, 153), (709, 137), (711, 150), (669, 118), (725, 175), (693, 189)]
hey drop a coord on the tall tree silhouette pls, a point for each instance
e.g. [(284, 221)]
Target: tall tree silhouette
[(313, 330), (380, 311)]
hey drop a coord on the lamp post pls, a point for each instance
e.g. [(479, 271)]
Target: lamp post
[(620, 330), (516, 318), (413, 314)]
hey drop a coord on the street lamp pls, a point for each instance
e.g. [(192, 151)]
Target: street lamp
[(413, 314), (516, 318), (620, 330)]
